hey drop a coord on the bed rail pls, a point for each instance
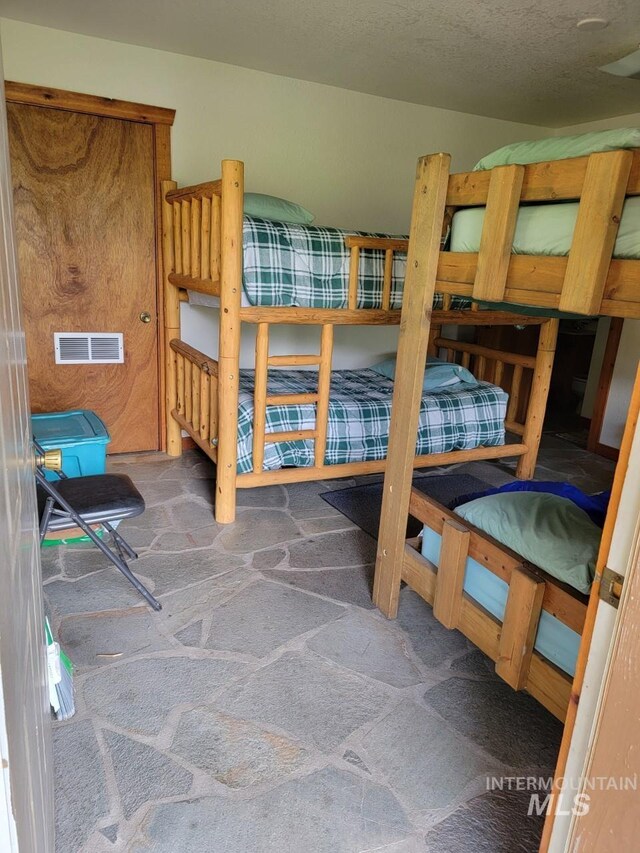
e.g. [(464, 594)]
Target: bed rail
[(509, 643), (202, 251), (196, 214), (588, 281), (196, 409), (489, 364)]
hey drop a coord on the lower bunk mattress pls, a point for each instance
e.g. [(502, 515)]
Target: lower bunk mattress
[(459, 418), (554, 640)]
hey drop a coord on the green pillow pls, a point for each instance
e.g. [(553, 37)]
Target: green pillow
[(277, 209), (549, 531), (560, 148), (438, 375)]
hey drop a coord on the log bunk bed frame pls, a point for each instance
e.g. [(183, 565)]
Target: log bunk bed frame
[(587, 282), (203, 252)]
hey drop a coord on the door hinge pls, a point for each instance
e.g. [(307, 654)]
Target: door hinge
[(611, 587)]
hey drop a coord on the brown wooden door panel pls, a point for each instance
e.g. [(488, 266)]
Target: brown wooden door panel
[(85, 221)]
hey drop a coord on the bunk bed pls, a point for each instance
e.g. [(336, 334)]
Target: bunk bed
[(280, 423), (588, 280)]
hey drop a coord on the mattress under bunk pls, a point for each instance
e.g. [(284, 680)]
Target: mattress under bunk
[(554, 640), (460, 418)]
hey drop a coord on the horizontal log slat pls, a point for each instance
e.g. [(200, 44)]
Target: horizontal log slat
[(206, 189), (202, 362), (350, 469), (290, 435), (355, 241), (320, 316), (292, 360), (555, 180), (514, 426), (528, 361), (201, 285), (290, 399), (379, 317), (538, 280)]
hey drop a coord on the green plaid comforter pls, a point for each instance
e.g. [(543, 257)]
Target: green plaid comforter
[(306, 266), (359, 416)]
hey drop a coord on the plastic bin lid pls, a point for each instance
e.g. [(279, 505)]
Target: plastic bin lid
[(65, 428)]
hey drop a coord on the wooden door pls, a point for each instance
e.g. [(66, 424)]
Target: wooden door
[(608, 817), (593, 802), (26, 766), (85, 220)]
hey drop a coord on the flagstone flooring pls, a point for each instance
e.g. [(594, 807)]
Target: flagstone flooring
[(269, 706)]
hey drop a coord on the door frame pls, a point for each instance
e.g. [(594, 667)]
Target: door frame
[(619, 538), (612, 755), (160, 119), (26, 772)]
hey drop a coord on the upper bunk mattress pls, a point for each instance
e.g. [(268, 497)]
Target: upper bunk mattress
[(359, 415), (307, 266), (546, 229)]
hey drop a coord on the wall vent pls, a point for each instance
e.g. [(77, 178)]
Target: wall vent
[(88, 347)]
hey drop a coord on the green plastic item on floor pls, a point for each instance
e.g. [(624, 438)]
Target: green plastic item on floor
[(52, 543), (59, 677)]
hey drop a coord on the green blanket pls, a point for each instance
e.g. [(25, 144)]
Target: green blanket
[(359, 417)]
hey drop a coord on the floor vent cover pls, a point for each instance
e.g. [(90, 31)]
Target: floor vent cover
[(88, 347)]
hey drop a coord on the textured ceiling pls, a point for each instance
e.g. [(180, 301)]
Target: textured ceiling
[(522, 60)]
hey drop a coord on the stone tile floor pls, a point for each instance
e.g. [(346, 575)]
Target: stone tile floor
[(269, 706)]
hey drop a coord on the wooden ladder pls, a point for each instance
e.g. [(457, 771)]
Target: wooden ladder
[(261, 399)]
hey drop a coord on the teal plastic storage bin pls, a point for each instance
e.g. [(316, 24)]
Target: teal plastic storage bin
[(81, 436)]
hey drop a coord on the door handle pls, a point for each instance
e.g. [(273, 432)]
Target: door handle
[(145, 317), (50, 459)]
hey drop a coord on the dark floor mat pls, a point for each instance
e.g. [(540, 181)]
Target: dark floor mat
[(362, 504)]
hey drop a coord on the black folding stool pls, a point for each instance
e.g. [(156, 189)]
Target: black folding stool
[(96, 499)]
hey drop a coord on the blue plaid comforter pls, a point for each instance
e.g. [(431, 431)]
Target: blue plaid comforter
[(359, 417)]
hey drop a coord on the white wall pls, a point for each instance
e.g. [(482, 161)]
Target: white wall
[(597, 357), (621, 384), (348, 157), (629, 351)]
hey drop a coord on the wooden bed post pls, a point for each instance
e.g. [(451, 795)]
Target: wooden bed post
[(171, 322), (434, 333), (427, 216), (538, 399), (229, 361)]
